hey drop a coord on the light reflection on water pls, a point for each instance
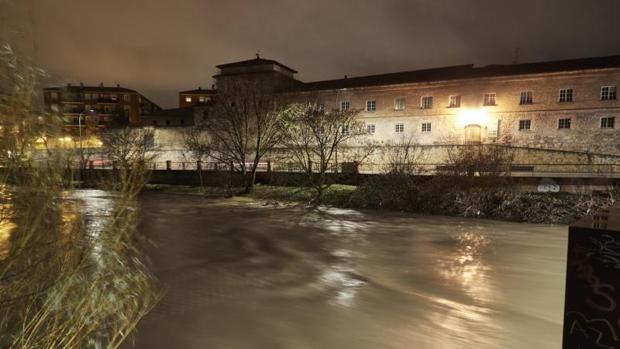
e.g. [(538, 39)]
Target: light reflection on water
[(95, 207), (350, 279)]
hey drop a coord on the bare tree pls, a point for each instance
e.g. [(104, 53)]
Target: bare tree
[(245, 122), (129, 148), (313, 137), (402, 157)]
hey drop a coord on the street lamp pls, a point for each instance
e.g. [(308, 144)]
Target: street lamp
[(80, 134)]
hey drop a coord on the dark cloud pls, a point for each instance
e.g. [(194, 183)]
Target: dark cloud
[(161, 47)]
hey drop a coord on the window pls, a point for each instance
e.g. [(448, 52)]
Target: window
[(489, 99), (371, 105), (188, 99), (113, 97), (87, 96), (345, 130), (400, 128), (426, 127), (525, 125), (345, 105), (54, 95), (126, 109), (370, 128), (399, 104), (126, 98), (201, 99), (426, 102), (566, 95), (564, 123), (526, 98), (454, 102), (608, 93), (608, 122)]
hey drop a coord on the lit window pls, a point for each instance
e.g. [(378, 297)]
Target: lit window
[(201, 99), (426, 127), (608, 93), (126, 98), (426, 102), (489, 99), (566, 95), (608, 122), (399, 104), (526, 98), (371, 105), (564, 123), (345, 105), (370, 128), (188, 99), (454, 102), (400, 128), (525, 125)]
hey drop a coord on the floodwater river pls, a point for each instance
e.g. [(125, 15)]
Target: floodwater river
[(243, 274)]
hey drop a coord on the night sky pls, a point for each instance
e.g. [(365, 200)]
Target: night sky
[(162, 46)]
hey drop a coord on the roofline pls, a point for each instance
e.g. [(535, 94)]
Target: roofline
[(266, 61), (469, 71)]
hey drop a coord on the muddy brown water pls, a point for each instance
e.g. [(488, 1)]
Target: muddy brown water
[(242, 274)]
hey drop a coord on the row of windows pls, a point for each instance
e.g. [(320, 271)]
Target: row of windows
[(565, 123), (565, 95), (524, 125), (201, 99), (94, 96)]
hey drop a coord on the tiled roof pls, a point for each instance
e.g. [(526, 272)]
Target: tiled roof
[(253, 62), (78, 88), (465, 72), (200, 91)]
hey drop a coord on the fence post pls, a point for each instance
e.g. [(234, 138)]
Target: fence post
[(91, 164), (168, 165), (199, 165), (183, 165), (309, 166), (269, 166)]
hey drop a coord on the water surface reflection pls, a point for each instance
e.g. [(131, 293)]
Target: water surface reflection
[(241, 275)]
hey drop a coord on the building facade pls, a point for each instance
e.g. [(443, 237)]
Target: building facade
[(197, 97), (98, 104), (567, 105)]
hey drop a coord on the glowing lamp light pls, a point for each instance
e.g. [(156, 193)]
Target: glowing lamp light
[(472, 117)]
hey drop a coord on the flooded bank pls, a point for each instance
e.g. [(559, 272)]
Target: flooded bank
[(239, 274)]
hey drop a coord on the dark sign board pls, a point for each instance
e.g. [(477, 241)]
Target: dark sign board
[(592, 309)]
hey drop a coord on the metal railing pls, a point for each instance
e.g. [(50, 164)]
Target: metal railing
[(517, 170)]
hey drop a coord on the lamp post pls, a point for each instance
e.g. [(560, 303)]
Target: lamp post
[(80, 135)]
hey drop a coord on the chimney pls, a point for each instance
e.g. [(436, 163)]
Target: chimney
[(346, 77), (199, 88), (68, 84), (213, 86), (118, 85), (101, 84), (81, 84)]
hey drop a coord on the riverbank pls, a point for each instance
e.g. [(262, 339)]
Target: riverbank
[(507, 205)]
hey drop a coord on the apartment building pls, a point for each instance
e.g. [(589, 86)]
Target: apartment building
[(99, 104)]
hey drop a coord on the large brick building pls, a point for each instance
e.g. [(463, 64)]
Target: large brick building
[(569, 104), (107, 104)]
